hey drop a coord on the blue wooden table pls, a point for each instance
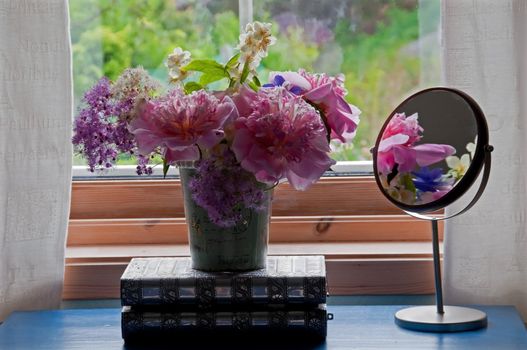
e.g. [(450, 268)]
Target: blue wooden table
[(354, 327)]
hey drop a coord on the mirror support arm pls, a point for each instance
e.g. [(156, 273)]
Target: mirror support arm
[(445, 318), (437, 268), (435, 232)]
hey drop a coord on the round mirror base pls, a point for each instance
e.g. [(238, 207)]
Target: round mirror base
[(427, 319)]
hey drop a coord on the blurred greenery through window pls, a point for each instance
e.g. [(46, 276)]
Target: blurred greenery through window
[(386, 49)]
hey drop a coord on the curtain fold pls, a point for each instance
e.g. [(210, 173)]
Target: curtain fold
[(484, 45), (35, 152)]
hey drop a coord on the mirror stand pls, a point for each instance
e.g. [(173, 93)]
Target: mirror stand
[(441, 318)]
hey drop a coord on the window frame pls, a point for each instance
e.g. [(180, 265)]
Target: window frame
[(81, 172), (370, 246)]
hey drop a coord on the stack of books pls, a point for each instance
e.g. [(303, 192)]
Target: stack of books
[(166, 297)]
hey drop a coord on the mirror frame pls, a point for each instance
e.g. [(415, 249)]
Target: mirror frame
[(473, 171)]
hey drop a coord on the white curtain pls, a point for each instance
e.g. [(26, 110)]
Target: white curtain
[(35, 152), (485, 54)]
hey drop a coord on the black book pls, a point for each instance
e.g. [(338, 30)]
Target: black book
[(287, 280), (142, 324)]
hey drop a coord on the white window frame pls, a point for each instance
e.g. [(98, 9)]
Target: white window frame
[(81, 171)]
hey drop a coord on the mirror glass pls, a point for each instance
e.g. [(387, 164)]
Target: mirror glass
[(426, 147)]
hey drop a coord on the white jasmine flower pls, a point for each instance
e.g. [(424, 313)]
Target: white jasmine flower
[(175, 61), (458, 166), (262, 35), (253, 46), (178, 58), (177, 75), (471, 147)]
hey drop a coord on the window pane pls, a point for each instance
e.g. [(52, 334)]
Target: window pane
[(111, 35), (385, 49)]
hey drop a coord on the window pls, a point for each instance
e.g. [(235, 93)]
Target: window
[(111, 35), (386, 49)]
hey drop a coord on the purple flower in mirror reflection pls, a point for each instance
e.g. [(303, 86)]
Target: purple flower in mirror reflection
[(431, 180)]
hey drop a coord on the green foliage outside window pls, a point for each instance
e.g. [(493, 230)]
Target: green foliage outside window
[(371, 44)]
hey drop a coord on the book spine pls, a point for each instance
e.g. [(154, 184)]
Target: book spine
[(144, 324), (208, 292)]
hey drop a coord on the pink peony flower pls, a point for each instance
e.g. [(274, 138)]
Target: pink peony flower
[(398, 146), (244, 100), (179, 123), (429, 197), (279, 135), (327, 94), (400, 124)]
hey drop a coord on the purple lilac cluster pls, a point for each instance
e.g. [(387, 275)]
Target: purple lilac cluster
[(223, 188), (142, 166), (94, 130), (99, 132)]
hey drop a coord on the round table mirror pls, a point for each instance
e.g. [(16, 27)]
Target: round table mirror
[(429, 152)]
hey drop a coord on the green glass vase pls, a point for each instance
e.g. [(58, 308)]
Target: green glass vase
[(214, 248)]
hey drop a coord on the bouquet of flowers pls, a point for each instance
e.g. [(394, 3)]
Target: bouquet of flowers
[(411, 171), (242, 140)]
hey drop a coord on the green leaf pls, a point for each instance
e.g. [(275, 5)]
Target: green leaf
[(166, 166), (245, 72), (192, 86), (253, 86), (408, 183), (232, 61), (209, 67), (206, 79), (257, 81)]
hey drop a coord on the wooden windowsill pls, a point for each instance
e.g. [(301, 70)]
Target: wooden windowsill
[(355, 250), (371, 247), (288, 229), (93, 272)]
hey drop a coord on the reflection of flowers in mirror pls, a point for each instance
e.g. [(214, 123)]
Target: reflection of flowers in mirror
[(403, 165), (471, 147), (459, 166), (396, 188)]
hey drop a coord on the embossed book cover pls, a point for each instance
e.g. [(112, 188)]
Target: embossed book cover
[(141, 323), (287, 280)]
